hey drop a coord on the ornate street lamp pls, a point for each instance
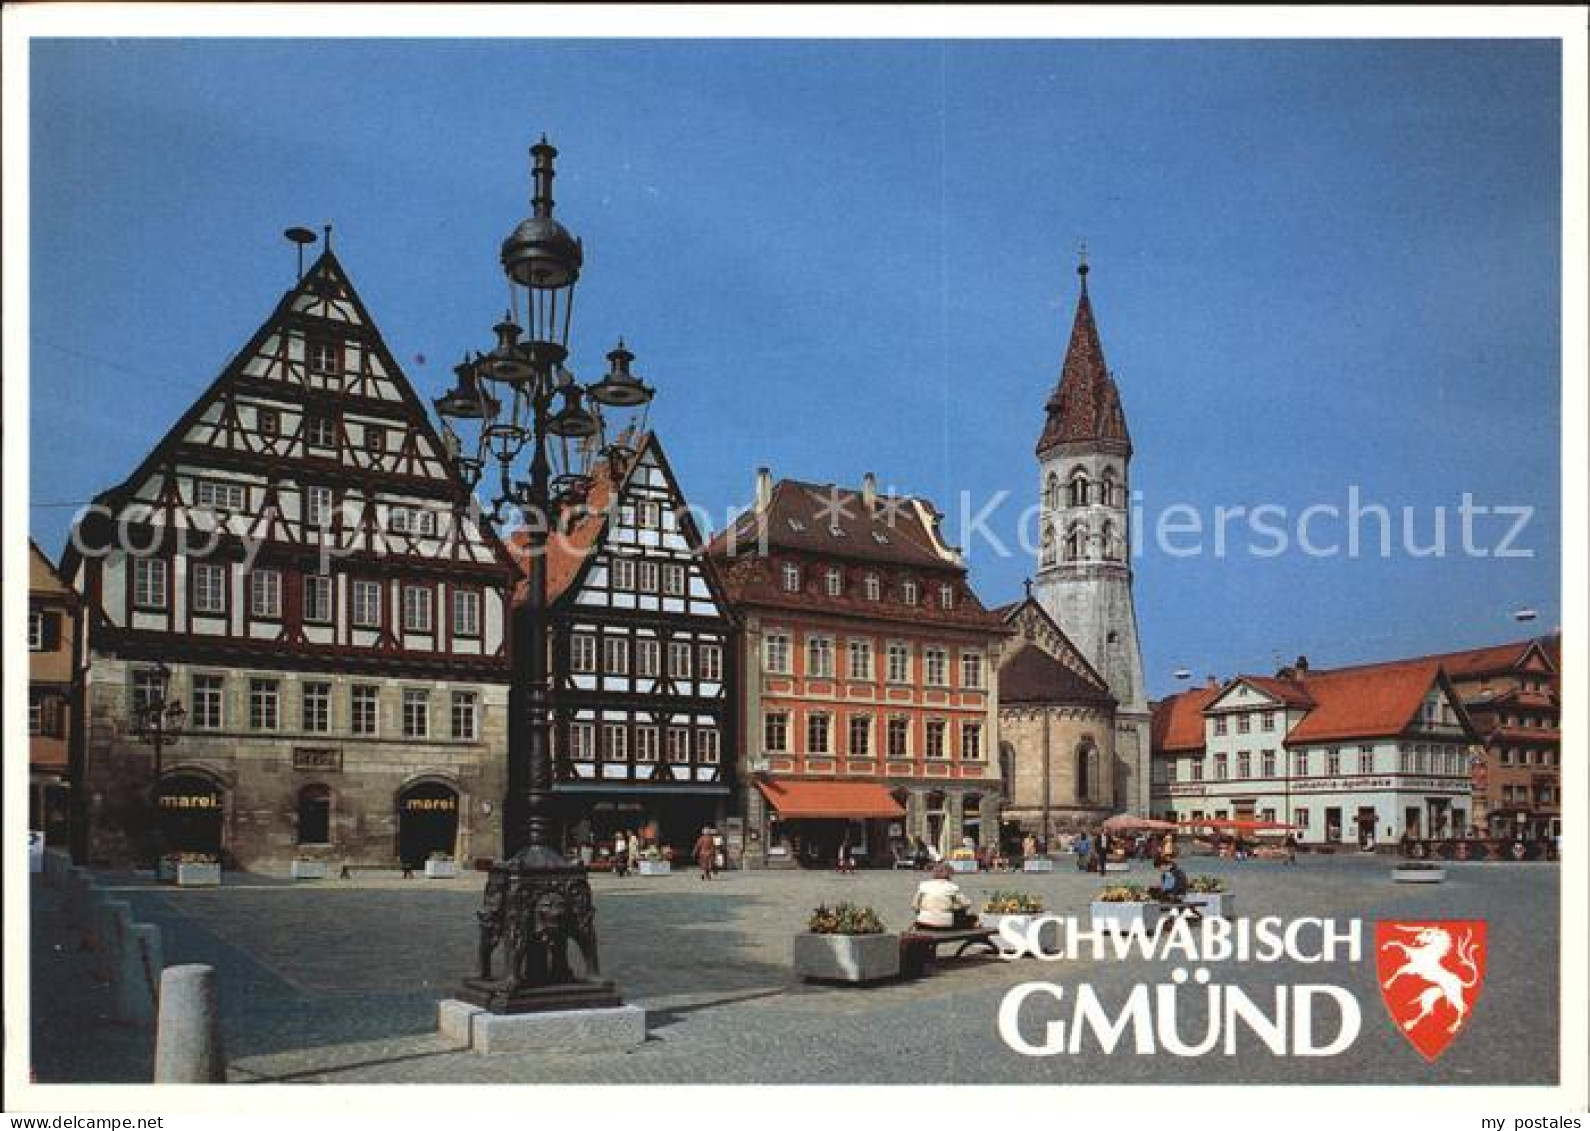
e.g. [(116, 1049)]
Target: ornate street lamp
[(158, 720), (520, 396)]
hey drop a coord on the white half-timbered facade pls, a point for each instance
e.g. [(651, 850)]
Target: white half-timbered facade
[(300, 552), (642, 655)]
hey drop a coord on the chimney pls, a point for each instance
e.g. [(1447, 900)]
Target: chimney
[(1211, 682), (869, 491), (764, 488), (1301, 665)]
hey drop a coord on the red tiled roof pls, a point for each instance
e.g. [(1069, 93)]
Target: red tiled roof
[(830, 799), (1287, 691), (1371, 701), (1085, 404), (1178, 722)]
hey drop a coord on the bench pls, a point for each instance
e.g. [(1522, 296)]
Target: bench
[(919, 946)]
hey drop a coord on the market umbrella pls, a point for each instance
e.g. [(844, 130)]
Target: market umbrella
[(1127, 823)]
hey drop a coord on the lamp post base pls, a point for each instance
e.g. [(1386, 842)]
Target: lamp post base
[(537, 905)]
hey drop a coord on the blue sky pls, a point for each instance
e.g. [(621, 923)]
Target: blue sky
[(1315, 266)]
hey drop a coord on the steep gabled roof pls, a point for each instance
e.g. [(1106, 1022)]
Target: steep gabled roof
[(1082, 669), (1034, 676), (1085, 406), (1285, 691)]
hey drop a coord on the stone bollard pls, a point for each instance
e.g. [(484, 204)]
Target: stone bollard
[(112, 933), (188, 1032), (138, 977)]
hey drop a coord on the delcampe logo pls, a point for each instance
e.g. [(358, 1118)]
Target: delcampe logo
[(1430, 974)]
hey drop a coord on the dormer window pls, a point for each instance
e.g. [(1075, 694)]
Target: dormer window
[(792, 577), (834, 583), (909, 591), (946, 596), (870, 586)]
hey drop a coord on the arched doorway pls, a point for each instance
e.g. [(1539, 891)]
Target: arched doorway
[(427, 822), (190, 810)]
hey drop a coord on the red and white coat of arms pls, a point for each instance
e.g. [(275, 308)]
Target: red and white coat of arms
[(1430, 975)]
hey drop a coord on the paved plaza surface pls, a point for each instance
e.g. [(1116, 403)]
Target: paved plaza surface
[(337, 982)]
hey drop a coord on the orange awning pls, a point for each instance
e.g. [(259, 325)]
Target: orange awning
[(830, 799)]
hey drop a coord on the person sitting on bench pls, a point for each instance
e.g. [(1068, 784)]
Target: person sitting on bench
[(1172, 882), (940, 904)]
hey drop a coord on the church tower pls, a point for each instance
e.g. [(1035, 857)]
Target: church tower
[(1084, 571)]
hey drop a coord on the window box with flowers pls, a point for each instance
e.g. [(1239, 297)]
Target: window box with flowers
[(846, 943), (1125, 907)]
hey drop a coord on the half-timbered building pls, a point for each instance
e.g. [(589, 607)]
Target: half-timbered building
[(642, 659), (300, 552)]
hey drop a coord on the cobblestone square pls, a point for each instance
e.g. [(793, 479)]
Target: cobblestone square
[(337, 982)]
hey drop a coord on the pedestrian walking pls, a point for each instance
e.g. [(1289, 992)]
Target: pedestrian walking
[(621, 855), (705, 852), (1082, 846)]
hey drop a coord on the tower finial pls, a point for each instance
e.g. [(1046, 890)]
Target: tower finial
[(327, 228), (1082, 261)]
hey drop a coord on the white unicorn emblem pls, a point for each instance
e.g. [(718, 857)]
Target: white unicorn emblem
[(1423, 961)]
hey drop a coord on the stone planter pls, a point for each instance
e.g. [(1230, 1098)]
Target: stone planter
[(1122, 916), (655, 867), (198, 875), (441, 869), (310, 870), (1220, 904), (1020, 923), (1417, 874), (1117, 866), (963, 865), (1037, 864), (847, 958)]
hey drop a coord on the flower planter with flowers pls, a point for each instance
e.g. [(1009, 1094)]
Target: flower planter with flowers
[(655, 862), (962, 860), (1016, 908), (440, 866), (1418, 874), (846, 943), (1209, 895), (1123, 907), (191, 869)]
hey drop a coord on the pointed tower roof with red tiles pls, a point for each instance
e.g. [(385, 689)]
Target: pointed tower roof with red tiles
[(1085, 406)]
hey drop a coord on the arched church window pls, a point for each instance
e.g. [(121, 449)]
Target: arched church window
[(1112, 549), (1079, 488), (1107, 490), (1076, 543), (1047, 557), (1051, 492), (1086, 770)]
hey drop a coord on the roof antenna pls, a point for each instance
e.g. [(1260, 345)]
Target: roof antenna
[(300, 236)]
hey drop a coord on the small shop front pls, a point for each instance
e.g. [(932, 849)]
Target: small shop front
[(664, 815), (810, 821)]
